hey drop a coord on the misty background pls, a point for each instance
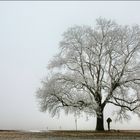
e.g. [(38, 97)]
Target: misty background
[(29, 37)]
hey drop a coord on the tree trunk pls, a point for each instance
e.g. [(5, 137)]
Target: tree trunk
[(100, 121)]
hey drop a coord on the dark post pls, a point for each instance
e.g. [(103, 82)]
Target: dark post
[(108, 122)]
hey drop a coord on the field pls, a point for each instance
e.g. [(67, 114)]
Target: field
[(70, 135)]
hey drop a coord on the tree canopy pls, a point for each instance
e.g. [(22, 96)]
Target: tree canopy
[(95, 66)]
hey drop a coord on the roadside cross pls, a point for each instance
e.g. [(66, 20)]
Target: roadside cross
[(108, 122)]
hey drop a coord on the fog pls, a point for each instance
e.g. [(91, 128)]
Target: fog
[(29, 36)]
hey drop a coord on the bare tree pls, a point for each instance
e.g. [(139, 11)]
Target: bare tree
[(95, 67)]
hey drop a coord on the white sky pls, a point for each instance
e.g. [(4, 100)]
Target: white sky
[(29, 37)]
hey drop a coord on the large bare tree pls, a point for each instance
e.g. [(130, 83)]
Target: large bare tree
[(94, 67)]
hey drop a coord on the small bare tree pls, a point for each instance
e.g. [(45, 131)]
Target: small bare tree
[(95, 67)]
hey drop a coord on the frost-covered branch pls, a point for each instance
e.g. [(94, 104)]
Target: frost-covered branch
[(95, 66)]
